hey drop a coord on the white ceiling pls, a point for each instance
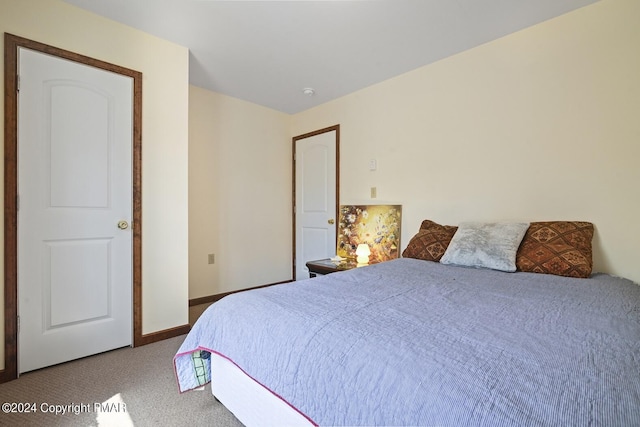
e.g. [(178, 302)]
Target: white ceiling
[(267, 52)]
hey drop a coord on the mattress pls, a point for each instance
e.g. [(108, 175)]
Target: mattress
[(249, 401), (411, 342)]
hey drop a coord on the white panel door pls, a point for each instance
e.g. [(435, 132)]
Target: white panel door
[(315, 200), (75, 186)]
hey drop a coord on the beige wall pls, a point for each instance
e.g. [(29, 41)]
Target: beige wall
[(164, 133), (543, 124), (239, 194)]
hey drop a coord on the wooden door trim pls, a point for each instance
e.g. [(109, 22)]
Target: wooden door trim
[(11, 45), (295, 139)]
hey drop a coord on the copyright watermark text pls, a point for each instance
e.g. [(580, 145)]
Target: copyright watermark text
[(58, 409)]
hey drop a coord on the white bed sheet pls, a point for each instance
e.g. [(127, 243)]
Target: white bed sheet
[(249, 401)]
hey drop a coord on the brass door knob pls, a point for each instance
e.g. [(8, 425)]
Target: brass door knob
[(331, 221), (123, 225)]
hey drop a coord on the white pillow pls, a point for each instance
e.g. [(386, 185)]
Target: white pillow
[(485, 245)]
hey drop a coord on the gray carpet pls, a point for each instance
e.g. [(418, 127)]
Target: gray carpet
[(137, 384)]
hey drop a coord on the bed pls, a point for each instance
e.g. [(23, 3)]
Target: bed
[(413, 342)]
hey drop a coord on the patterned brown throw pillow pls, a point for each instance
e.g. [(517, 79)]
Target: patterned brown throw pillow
[(562, 248), (430, 242)]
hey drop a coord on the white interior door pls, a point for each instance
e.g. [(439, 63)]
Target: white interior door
[(315, 199), (74, 186)]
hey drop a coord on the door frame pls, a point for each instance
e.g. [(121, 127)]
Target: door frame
[(12, 44), (335, 128)]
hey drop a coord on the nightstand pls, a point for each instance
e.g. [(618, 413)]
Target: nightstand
[(326, 266)]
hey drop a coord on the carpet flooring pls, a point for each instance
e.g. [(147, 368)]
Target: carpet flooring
[(124, 387)]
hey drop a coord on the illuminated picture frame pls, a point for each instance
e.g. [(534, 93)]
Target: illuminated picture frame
[(376, 225)]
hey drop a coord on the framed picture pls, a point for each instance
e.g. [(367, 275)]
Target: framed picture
[(376, 225)]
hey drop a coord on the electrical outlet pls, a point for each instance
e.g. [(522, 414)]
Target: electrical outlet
[(374, 192), (212, 258)]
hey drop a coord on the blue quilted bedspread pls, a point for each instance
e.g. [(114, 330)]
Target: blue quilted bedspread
[(416, 343)]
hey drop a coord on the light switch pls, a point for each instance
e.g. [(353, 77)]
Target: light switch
[(373, 164)]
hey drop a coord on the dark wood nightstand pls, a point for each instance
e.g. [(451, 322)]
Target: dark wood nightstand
[(326, 266)]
